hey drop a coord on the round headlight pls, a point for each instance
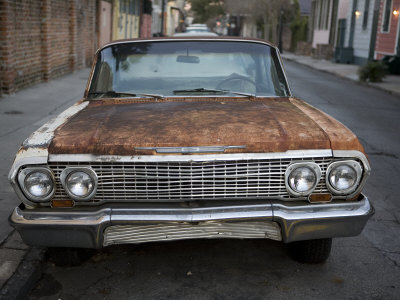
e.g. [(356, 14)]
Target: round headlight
[(79, 183), (343, 177), (301, 178), (37, 183)]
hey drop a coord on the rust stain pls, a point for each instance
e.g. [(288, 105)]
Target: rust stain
[(116, 127), (340, 136)]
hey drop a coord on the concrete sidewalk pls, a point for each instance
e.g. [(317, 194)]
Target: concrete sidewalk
[(390, 84), (21, 114)]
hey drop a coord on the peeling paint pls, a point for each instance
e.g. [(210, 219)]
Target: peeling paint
[(34, 149), (42, 137), (31, 152)]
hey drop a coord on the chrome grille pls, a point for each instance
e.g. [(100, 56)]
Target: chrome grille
[(189, 180)]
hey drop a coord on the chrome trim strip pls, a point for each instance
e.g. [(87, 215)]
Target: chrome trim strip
[(177, 158), (283, 71), (199, 149), (187, 98), (198, 214), (354, 154), (57, 217)]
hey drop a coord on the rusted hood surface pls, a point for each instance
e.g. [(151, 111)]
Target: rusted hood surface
[(262, 125)]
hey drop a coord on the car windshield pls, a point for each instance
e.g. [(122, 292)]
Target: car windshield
[(171, 68)]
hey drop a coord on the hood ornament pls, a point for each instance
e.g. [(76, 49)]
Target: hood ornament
[(200, 149)]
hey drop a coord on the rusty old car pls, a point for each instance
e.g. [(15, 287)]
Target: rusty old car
[(190, 138)]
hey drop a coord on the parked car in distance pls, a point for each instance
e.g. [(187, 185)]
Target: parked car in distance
[(190, 138), (197, 28), (194, 34), (198, 25)]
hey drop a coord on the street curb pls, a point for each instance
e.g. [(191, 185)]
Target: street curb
[(4, 240), (344, 77), (25, 277)]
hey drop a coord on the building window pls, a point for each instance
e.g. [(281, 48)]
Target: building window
[(323, 11), (327, 14), (386, 16), (319, 10), (365, 17), (137, 7)]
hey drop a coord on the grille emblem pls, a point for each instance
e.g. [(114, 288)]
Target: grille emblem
[(200, 149)]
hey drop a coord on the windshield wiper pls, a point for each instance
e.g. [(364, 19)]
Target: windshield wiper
[(200, 90), (124, 94)]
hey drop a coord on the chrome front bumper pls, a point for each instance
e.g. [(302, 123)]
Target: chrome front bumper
[(110, 225)]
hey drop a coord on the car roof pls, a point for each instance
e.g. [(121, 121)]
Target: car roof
[(189, 38)]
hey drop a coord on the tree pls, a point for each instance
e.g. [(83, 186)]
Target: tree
[(206, 9), (265, 13), (298, 26)]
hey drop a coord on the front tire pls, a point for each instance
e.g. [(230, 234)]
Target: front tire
[(311, 251), (68, 257)]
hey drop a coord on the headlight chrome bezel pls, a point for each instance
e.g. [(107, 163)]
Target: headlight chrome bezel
[(92, 174), (350, 163), (315, 168), (24, 173)]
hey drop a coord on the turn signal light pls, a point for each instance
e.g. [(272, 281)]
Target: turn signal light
[(62, 203), (317, 198)]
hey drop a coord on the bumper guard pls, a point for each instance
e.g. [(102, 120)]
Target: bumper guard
[(291, 222)]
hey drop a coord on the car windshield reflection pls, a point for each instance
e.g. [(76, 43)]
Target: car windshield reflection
[(163, 67)]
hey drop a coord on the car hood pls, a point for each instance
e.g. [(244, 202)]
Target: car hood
[(121, 126)]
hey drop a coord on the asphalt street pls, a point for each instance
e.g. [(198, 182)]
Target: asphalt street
[(363, 267)]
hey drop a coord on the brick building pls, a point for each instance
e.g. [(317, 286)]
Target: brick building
[(43, 39), (388, 33), (40, 40)]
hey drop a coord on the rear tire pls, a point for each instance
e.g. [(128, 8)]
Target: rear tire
[(311, 251)]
